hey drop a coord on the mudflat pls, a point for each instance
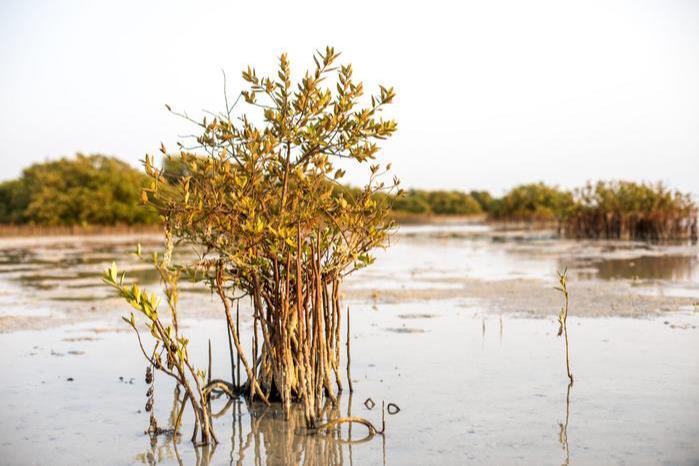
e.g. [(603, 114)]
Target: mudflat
[(448, 324)]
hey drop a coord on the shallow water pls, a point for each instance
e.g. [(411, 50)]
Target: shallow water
[(420, 257), (474, 385), (670, 267), (470, 389)]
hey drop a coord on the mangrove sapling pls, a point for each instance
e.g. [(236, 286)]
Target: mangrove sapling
[(563, 318), (262, 200), (170, 354)]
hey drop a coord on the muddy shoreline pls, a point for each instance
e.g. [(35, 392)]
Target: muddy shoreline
[(53, 281), (525, 297)]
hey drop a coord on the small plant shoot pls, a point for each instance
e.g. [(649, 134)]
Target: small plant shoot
[(563, 318)]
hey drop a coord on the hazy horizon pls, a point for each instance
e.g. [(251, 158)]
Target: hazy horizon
[(490, 95)]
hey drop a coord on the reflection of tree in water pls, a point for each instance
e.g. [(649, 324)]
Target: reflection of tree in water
[(644, 268), (284, 441), (649, 267), (168, 450), (563, 433), (266, 437)]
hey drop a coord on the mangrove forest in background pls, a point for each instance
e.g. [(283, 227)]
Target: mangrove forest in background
[(84, 190), (102, 190)]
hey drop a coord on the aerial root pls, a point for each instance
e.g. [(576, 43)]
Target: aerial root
[(221, 386), (350, 419)]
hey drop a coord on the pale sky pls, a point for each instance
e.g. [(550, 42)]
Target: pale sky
[(490, 94)]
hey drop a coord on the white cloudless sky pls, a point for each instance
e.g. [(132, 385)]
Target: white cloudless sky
[(490, 93)]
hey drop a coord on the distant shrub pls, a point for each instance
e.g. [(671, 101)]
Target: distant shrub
[(84, 190), (484, 199), (436, 202), (628, 210), (452, 203), (534, 201), (412, 202), (12, 202)]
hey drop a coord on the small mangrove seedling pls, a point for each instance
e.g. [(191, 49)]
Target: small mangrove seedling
[(563, 318), (169, 354)]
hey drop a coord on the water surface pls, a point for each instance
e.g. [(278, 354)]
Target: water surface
[(476, 380)]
